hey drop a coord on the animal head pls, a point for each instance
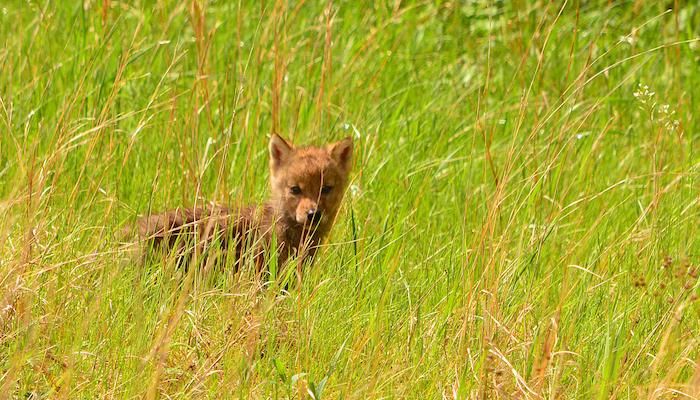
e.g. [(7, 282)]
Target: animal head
[(309, 182)]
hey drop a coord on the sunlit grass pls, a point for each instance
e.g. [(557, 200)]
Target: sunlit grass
[(521, 223)]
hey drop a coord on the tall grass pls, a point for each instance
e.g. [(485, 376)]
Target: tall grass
[(522, 220)]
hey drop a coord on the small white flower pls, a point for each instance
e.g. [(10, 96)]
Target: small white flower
[(629, 39), (643, 94)]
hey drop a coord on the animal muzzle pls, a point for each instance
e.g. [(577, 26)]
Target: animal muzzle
[(314, 216)]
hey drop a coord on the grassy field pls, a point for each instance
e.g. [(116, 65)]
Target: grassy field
[(523, 220)]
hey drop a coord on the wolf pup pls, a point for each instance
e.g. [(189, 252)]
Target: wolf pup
[(307, 185)]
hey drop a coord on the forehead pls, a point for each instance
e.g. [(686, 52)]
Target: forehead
[(310, 165)]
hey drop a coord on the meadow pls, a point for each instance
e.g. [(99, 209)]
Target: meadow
[(522, 222)]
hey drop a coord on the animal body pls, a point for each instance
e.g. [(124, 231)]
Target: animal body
[(307, 186)]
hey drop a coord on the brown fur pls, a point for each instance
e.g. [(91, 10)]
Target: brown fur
[(301, 211)]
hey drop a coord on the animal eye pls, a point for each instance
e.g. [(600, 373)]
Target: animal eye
[(326, 189), (296, 190)]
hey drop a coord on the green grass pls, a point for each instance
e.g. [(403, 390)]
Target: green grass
[(520, 223)]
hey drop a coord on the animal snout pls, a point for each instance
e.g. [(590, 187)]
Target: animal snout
[(313, 215)]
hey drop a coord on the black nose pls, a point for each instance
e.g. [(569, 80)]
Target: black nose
[(313, 215)]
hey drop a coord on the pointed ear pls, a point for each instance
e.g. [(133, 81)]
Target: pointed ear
[(280, 151), (341, 153)]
